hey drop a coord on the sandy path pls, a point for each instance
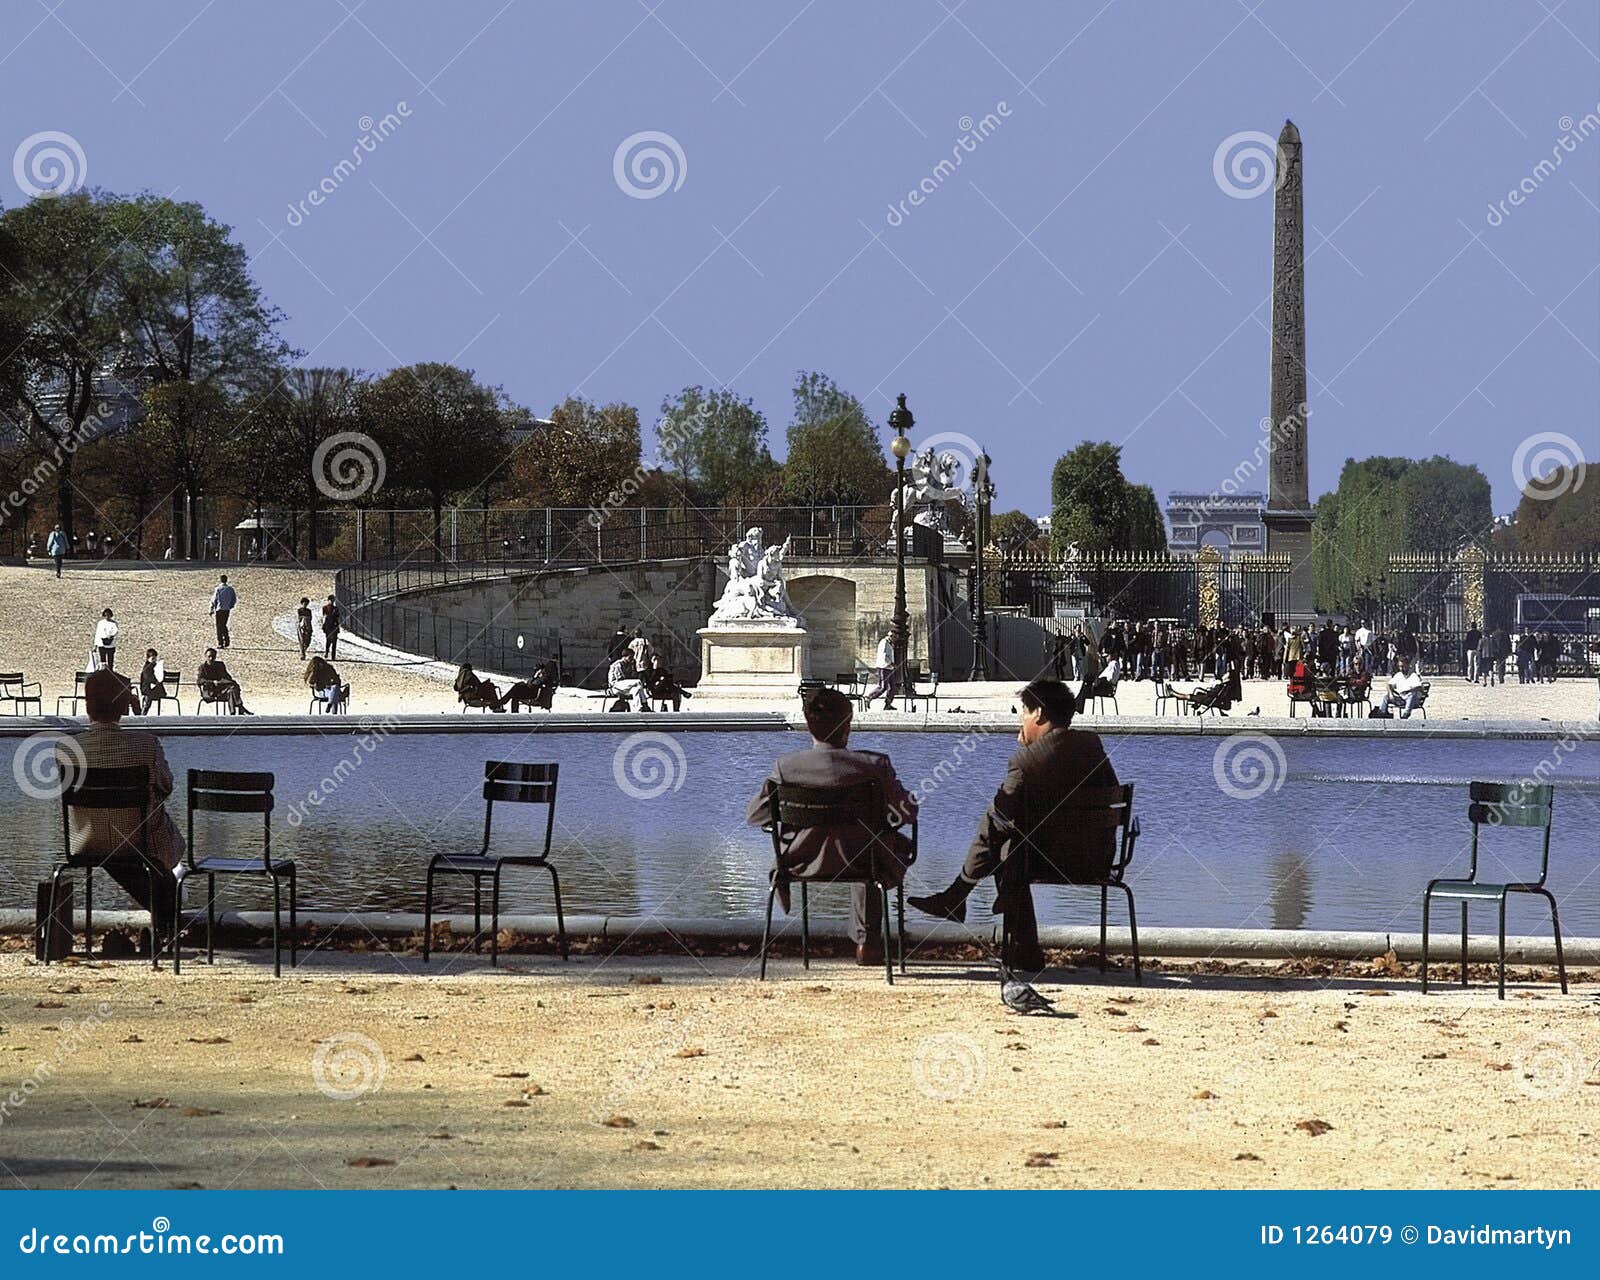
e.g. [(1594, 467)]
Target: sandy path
[(820, 1079)]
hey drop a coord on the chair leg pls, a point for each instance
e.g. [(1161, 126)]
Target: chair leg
[(55, 897), (88, 912), (427, 912), (1133, 935), (901, 898), (294, 924), (1503, 897), (277, 934), (766, 929), (494, 919), (1555, 921), (1102, 928), (477, 915), (561, 920), (1463, 944), (1427, 901), (155, 945), (805, 926), (888, 959), (177, 928)]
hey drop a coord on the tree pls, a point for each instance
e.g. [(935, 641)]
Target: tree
[(834, 453), (1013, 530), (60, 328), (584, 455), (1561, 515), (1089, 499), (185, 433), (713, 441), (1147, 531), (441, 432), (307, 408)]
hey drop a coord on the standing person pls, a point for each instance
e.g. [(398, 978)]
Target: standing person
[(105, 744), (888, 677), (1474, 642), (1052, 762), (223, 600), (821, 851), (56, 545), (302, 625), (330, 629), (91, 543), (105, 640)]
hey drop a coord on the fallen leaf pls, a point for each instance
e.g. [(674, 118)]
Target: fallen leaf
[(516, 1102), (1203, 1095), (368, 1162), (1150, 1040), (185, 1186), (1378, 991), (1054, 1124), (412, 1057), (1269, 1013), (132, 1039), (1115, 1013), (209, 1040), (510, 1075), (1498, 1066), (151, 1104), (1016, 1044), (1431, 1057), (50, 1004), (1316, 1128), (1123, 999), (1247, 1155), (819, 987), (690, 1053), (198, 1111), (615, 1121), (1341, 1025), (645, 1144), (441, 1132), (1041, 1160)]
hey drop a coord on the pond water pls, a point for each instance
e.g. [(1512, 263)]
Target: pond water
[(1343, 834)]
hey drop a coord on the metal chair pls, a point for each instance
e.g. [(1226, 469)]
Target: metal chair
[(1167, 694), (509, 783), (1078, 817), (1103, 691), (914, 676), (319, 702), (14, 688), (169, 687), (76, 696), (212, 791), (220, 701), (795, 808), (126, 788), (1498, 804)]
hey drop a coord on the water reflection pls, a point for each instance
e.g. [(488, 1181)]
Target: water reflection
[(1291, 890)]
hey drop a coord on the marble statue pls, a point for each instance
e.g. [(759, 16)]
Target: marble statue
[(931, 483), (756, 590)]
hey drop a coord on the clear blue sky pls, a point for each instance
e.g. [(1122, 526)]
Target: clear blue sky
[(1081, 275)]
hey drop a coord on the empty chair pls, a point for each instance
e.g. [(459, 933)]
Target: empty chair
[(76, 696), (795, 808), (213, 791), (916, 676), (19, 692), (1498, 804), (508, 783), (125, 789), (1067, 826)]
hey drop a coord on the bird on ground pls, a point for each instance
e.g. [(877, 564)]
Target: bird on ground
[(1020, 996)]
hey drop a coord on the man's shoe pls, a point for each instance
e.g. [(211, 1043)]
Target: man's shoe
[(944, 905), (869, 954)]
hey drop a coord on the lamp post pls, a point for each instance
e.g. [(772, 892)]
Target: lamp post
[(983, 495), (900, 422)]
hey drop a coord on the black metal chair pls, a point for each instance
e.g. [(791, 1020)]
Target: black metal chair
[(509, 783), (76, 696), (213, 791), (794, 809), (1078, 818), (170, 689), (1498, 804), (125, 788), (19, 692), (915, 675), (321, 703)]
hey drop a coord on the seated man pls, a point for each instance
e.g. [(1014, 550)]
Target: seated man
[(152, 677), (661, 685), (623, 680), (538, 692), (217, 684), (822, 851), (1053, 761), (105, 744), (474, 691), (1404, 691)]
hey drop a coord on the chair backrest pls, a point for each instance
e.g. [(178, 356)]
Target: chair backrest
[(124, 788), (511, 782), (795, 808), (10, 677), (843, 679), (171, 679), (221, 791), (1077, 838), (1511, 804)]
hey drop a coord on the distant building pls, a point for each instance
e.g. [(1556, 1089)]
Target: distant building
[(1044, 524), (1229, 522)]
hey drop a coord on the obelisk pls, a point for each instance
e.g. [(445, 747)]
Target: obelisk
[(1288, 514)]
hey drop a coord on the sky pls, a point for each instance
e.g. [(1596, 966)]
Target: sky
[(618, 199)]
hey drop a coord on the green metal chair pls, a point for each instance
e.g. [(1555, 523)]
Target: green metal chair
[(1498, 804)]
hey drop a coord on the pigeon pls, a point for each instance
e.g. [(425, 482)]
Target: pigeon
[(1256, 712), (1020, 997)]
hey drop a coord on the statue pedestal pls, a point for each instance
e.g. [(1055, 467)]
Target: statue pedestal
[(753, 659)]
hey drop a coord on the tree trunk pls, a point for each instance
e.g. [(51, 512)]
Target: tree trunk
[(311, 533), (64, 498)]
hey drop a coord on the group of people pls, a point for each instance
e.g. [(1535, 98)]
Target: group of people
[(1052, 760), (539, 691), (216, 684), (638, 676), (1535, 655)]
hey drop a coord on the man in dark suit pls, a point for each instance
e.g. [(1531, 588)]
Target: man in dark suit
[(151, 686), (831, 850), (1052, 763)]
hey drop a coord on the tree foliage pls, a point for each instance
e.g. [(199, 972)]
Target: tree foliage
[(834, 452), (1562, 514), (714, 442), (1094, 506), (583, 455)]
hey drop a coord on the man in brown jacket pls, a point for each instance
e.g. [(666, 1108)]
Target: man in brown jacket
[(1053, 762), (105, 744), (831, 850)]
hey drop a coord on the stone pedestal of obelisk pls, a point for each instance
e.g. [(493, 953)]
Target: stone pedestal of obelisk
[(1288, 514)]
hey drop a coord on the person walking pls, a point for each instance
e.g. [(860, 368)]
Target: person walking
[(56, 546), (223, 600), (302, 625), (105, 640), (888, 683), (330, 629)]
